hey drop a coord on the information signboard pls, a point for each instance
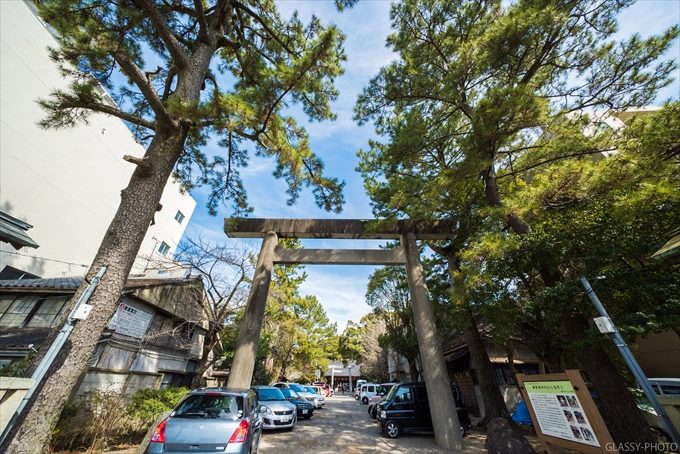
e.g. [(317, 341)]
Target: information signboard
[(559, 412), (564, 413), (130, 321)]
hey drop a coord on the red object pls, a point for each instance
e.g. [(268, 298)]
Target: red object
[(240, 435), (159, 434)]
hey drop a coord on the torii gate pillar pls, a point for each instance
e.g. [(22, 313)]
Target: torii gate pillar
[(442, 406), (243, 365)]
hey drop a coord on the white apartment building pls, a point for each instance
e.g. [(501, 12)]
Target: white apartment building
[(64, 183)]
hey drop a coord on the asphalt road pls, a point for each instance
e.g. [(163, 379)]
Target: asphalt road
[(344, 427)]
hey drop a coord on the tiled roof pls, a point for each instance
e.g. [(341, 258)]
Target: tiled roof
[(72, 283), (55, 283)]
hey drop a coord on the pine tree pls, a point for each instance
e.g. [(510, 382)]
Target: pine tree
[(478, 81), (196, 71)]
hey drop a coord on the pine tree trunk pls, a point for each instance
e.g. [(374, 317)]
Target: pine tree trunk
[(494, 404), (413, 370), (117, 252)]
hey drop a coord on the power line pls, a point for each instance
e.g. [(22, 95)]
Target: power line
[(44, 258)]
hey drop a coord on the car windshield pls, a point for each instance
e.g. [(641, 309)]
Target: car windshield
[(268, 394), (290, 394), (391, 393), (213, 406), (384, 389), (310, 389), (297, 388)]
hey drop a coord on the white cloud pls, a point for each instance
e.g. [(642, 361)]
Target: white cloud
[(340, 289)]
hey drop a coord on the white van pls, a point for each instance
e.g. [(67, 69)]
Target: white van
[(357, 389), (368, 390)]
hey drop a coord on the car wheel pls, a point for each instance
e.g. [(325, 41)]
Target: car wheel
[(374, 412), (364, 400), (392, 429), (356, 397)]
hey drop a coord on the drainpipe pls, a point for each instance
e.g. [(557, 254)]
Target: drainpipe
[(80, 312)]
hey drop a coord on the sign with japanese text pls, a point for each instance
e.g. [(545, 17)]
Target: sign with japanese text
[(559, 412)]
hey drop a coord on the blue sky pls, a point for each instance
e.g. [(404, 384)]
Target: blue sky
[(341, 289)]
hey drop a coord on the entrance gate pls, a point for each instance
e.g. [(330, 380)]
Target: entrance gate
[(442, 406)]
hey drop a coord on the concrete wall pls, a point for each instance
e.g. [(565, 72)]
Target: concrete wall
[(12, 391), (118, 381), (66, 183)]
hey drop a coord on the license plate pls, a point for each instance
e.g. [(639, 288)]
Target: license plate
[(304, 412), (285, 418)]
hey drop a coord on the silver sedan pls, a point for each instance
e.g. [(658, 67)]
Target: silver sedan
[(276, 411), (210, 419)]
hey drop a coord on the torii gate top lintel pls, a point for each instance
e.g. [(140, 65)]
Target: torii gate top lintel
[(339, 228)]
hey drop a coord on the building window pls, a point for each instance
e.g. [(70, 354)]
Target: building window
[(48, 312), (31, 311), (179, 217), (163, 249), (17, 311)]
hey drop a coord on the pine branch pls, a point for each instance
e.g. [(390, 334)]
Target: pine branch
[(587, 152), (271, 32), (133, 71), (202, 23), (103, 108), (174, 47)]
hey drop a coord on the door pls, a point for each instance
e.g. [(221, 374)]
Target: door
[(423, 417), (402, 407)]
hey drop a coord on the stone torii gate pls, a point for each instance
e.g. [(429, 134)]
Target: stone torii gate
[(442, 406)]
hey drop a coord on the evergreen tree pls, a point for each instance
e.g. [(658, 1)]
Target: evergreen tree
[(481, 81), (196, 71)]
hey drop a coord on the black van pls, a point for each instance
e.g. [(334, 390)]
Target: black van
[(406, 408)]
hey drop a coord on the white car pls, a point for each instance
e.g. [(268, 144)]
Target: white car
[(320, 399), (368, 390)]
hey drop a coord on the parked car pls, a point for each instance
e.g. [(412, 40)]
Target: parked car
[(304, 408), (319, 391), (651, 416), (665, 386), (367, 391), (320, 400), (210, 419), (383, 390), (326, 387), (357, 388), (276, 411), (311, 396), (406, 408)]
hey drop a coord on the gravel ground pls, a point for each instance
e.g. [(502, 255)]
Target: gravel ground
[(345, 427)]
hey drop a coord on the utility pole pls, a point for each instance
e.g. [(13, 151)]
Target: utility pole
[(606, 326)]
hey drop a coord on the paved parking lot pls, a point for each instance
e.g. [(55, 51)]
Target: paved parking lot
[(344, 427)]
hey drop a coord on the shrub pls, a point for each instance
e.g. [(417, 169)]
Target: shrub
[(93, 421), (148, 404)]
